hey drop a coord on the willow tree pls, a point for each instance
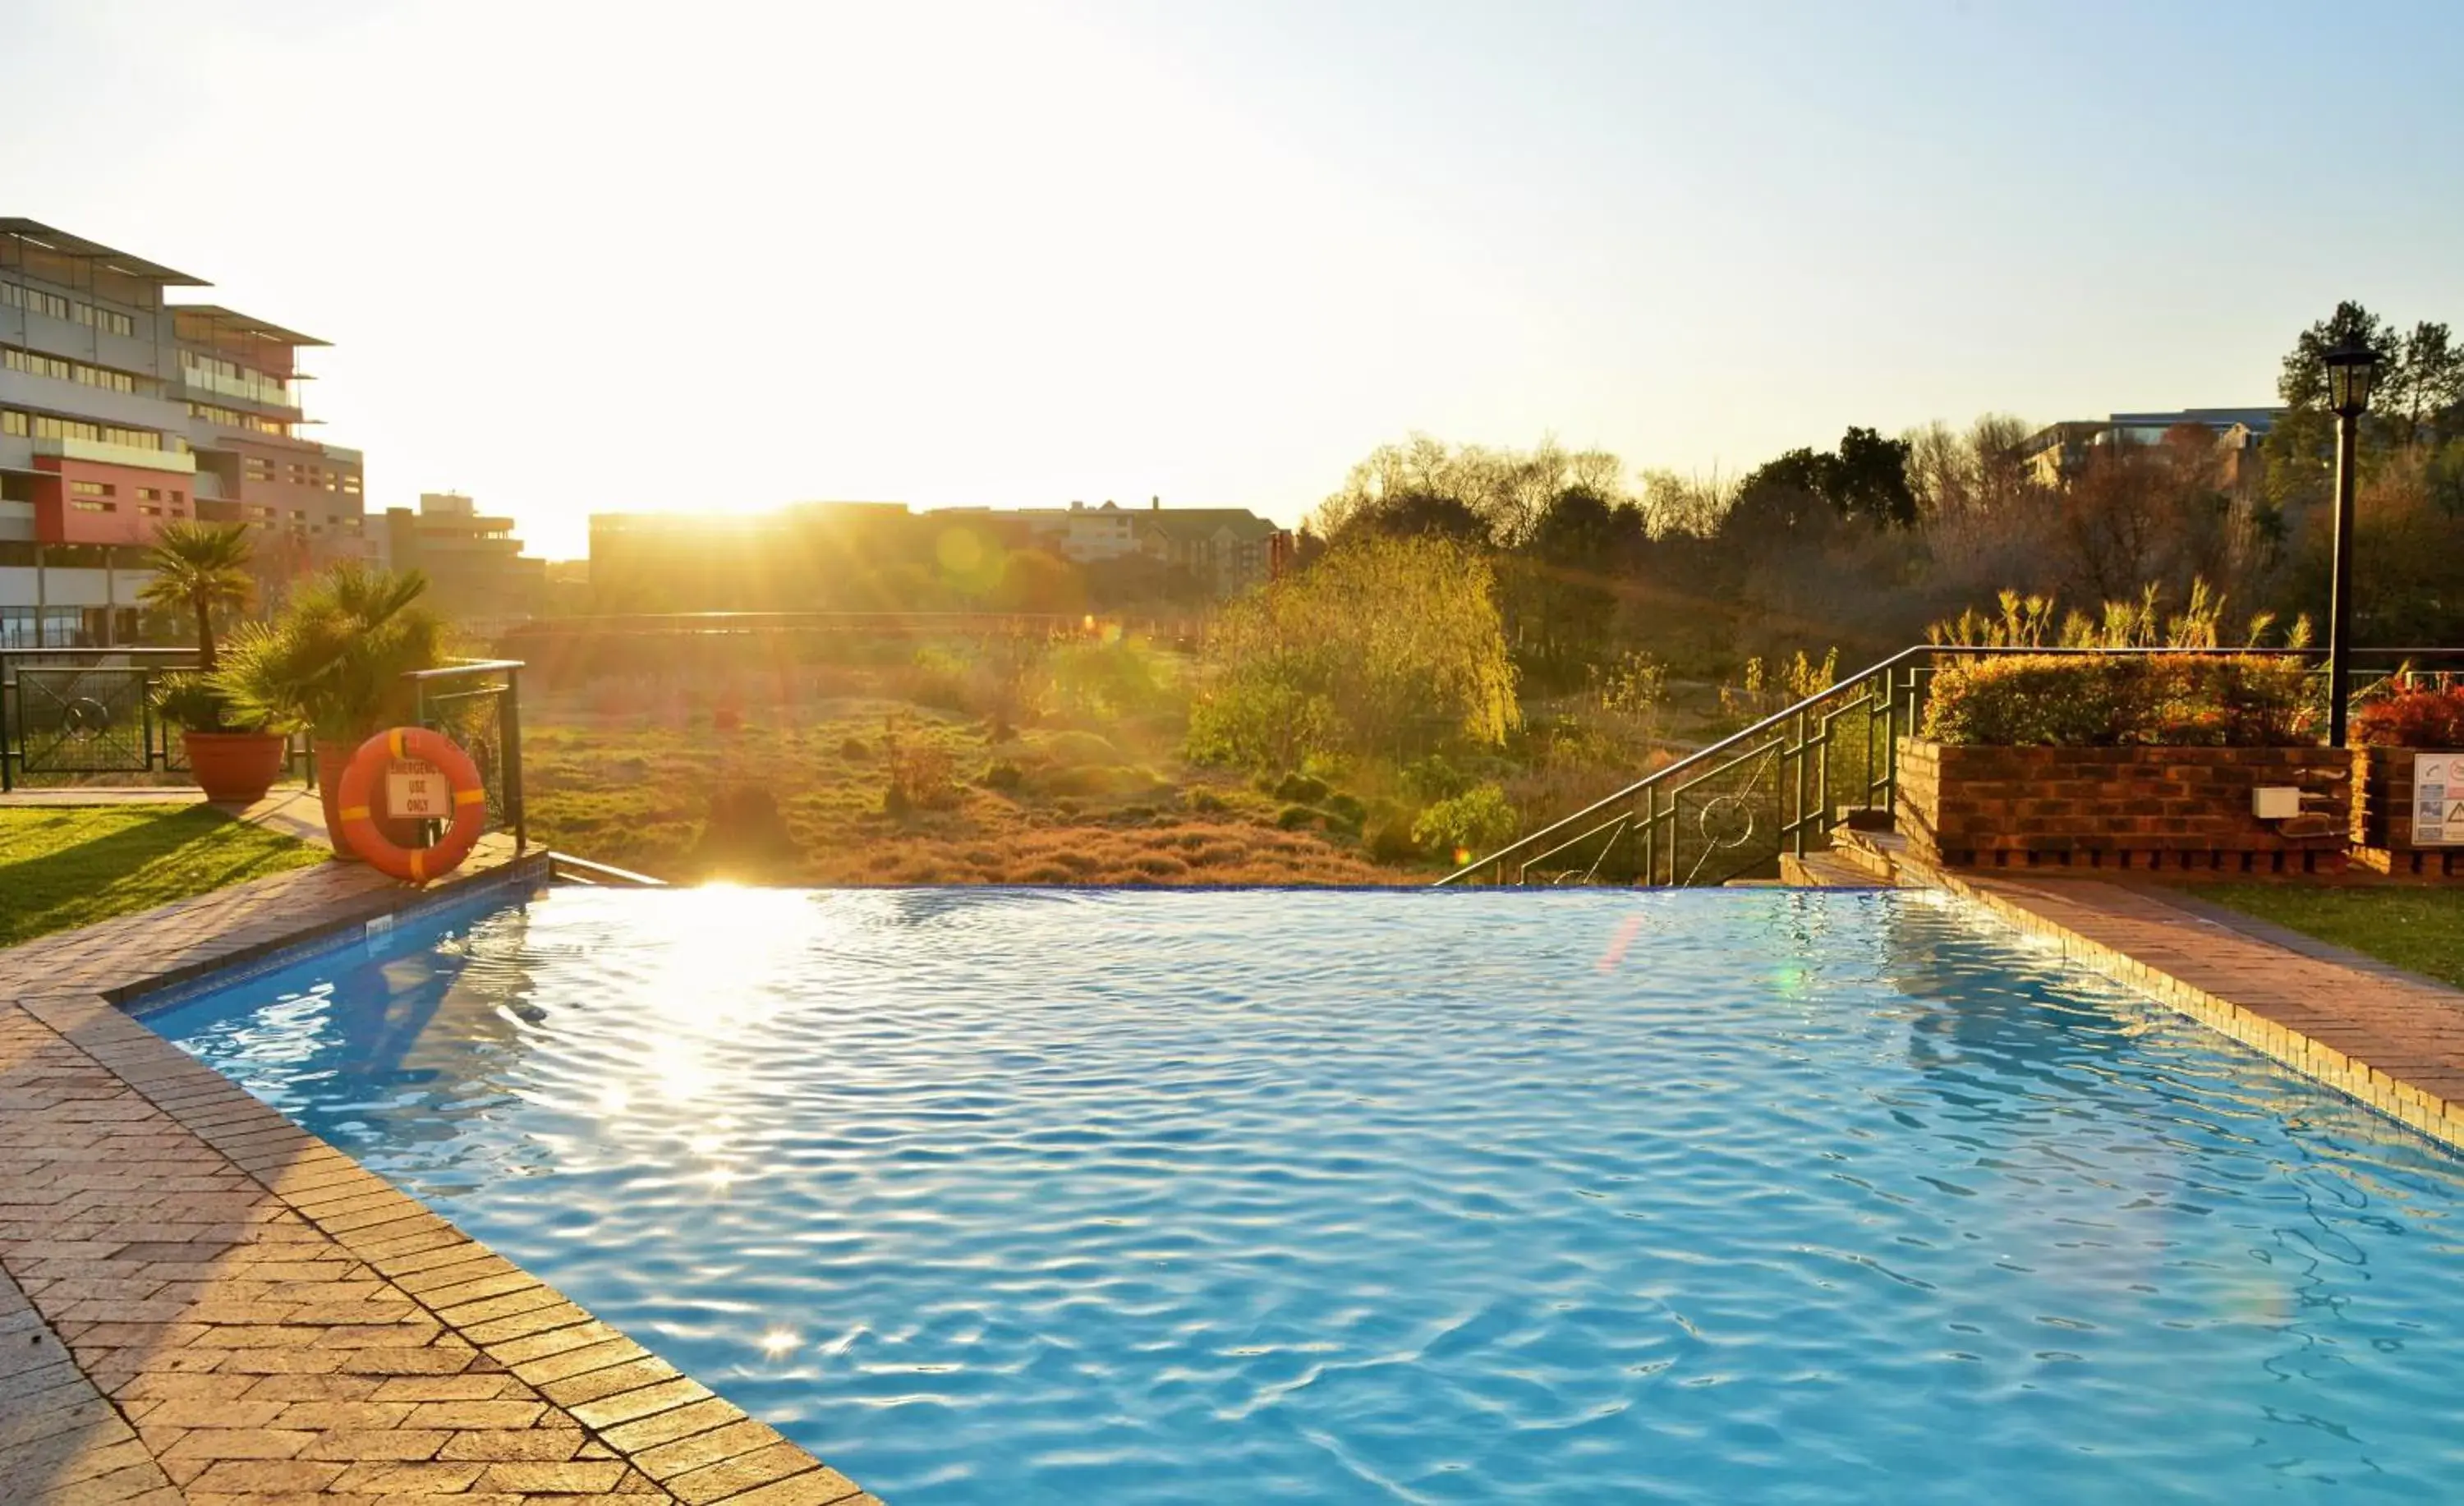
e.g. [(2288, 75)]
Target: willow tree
[(1384, 647)]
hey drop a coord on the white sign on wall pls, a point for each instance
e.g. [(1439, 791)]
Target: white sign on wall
[(415, 791), (2438, 799)]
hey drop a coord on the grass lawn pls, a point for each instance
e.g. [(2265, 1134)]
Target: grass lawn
[(62, 868), (2421, 929)]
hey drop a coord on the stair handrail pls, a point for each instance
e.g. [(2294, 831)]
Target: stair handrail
[(1505, 853)]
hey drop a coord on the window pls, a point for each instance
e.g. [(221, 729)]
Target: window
[(35, 364), (50, 304), (148, 512), (150, 495), (84, 505), (105, 320), (12, 421), (92, 489), (34, 301), (16, 622), (350, 483)]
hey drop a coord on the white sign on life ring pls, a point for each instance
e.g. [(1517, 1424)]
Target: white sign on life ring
[(417, 791), (2437, 800)]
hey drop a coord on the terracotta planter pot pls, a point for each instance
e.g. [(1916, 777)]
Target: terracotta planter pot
[(332, 758), (233, 767)]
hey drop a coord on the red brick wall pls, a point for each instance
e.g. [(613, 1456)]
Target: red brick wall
[(2117, 807)]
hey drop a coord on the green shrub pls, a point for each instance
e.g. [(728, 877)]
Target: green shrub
[(1004, 777), (1301, 789), (922, 776), (1346, 806), (1391, 839), (1208, 801), (1433, 779), (2085, 701), (1292, 817), (1475, 821), (854, 750)]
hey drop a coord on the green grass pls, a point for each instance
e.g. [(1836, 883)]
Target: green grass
[(62, 868), (2421, 930)]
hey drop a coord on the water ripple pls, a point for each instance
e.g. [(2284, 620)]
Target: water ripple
[(1025, 1198)]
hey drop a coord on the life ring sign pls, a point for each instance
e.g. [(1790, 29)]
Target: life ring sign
[(423, 777)]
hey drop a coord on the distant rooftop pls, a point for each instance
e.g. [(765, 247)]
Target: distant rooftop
[(225, 322), (2258, 419), (60, 242)]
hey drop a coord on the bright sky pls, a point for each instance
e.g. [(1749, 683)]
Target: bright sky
[(580, 258)]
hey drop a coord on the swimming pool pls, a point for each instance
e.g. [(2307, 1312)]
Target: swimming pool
[(1043, 1196)]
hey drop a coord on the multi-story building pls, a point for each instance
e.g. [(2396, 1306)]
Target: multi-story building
[(240, 380), (120, 411), (2057, 452), (1226, 549), (475, 568)]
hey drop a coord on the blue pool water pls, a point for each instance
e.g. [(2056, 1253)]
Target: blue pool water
[(1006, 1196)]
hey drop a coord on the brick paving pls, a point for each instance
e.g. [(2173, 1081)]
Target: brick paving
[(2390, 1038), (201, 1301)]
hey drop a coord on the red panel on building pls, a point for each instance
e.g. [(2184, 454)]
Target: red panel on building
[(88, 502)]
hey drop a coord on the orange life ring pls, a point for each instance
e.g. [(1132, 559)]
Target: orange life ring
[(353, 802)]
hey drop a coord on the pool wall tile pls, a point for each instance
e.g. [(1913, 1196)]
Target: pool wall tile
[(399, 1355)]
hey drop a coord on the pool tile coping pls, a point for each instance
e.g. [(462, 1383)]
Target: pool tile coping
[(2390, 1039), (142, 1192)]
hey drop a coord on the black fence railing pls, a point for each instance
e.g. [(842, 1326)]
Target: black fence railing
[(1782, 785), (478, 705), (74, 714)]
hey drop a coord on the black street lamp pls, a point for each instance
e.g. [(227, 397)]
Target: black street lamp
[(2350, 367)]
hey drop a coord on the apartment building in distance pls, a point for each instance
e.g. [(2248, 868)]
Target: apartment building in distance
[(853, 555), (122, 411), (2058, 451), (475, 568)]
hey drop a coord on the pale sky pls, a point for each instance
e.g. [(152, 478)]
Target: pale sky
[(611, 256)]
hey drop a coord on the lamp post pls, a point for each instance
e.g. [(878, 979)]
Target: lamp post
[(2350, 367)]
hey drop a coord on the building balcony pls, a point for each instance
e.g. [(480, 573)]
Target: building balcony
[(23, 389), (272, 400), (96, 452)]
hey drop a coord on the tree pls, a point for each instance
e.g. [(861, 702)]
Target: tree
[(2146, 515), (2424, 387), (1865, 480), (200, 568), (1382, 641), (2301, 442)]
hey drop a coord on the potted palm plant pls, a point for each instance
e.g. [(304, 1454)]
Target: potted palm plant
[(332, 664), (201, 569)]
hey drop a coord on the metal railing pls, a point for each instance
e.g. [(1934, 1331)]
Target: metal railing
[(1783, 784), (72, 714), (478, 705), (76, 714)]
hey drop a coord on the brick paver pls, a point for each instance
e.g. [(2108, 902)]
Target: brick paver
[(201, 1301), (2392, 1040)]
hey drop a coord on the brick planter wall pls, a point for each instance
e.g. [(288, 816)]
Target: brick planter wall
[(2123, 808), (2383, 818)]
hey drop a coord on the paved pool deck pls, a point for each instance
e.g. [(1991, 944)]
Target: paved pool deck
[(202, 1303), (2391, 1038)]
